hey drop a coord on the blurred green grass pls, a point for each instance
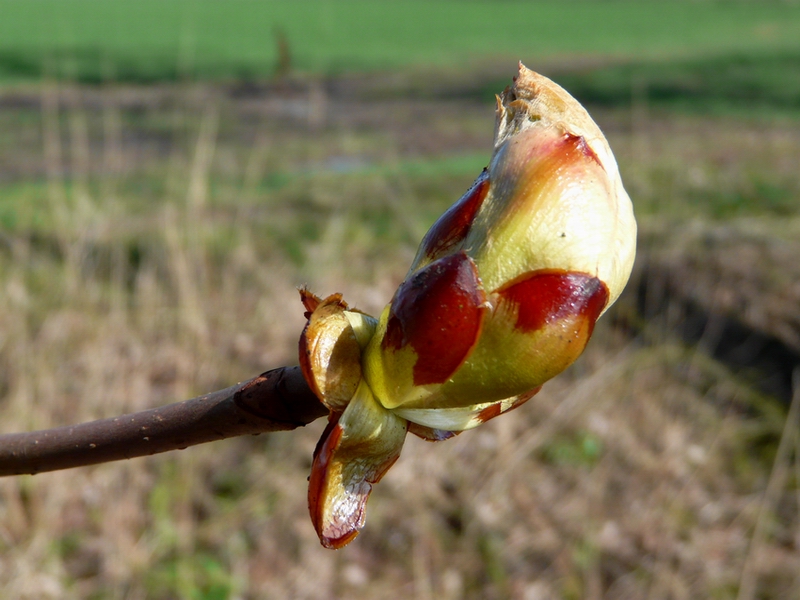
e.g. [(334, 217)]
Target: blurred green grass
[(156, 40), (749, 85)]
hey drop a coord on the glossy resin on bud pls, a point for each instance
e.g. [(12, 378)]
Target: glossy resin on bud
[(502, 295)]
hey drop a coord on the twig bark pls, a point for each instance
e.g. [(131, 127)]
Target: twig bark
[(277, 400)]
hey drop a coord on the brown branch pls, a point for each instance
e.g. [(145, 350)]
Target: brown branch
[(277, 400)]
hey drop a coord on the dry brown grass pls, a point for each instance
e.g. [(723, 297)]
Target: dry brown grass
[(649, 470)]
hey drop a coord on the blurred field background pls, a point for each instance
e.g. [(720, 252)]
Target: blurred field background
[(171, 172)]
